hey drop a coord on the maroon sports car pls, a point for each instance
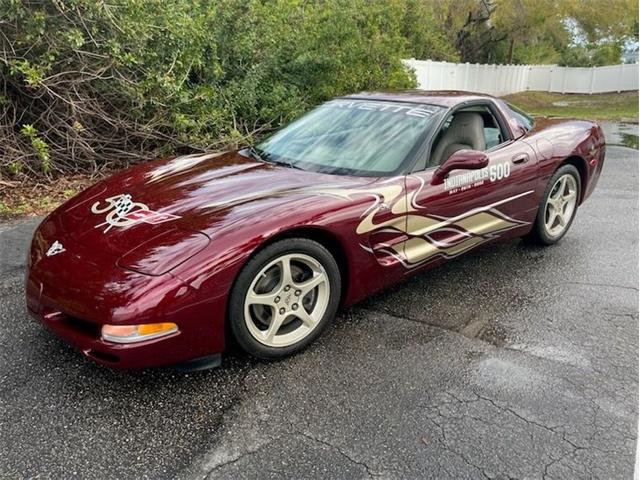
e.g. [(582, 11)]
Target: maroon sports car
[(166, 262)]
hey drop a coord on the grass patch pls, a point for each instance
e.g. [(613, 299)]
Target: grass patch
[(28, 197), (602, 106)]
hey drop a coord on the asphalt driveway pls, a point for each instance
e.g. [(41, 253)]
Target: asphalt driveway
[(512, 362)]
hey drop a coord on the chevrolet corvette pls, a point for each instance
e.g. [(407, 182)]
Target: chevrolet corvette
[(169, 261)]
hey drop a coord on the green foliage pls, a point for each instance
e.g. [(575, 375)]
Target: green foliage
[(4, 210), (427, 34), (32, 74), (591, 55), (128, 79), (85, 83), (39, 145), (15, 168), (606, 54)]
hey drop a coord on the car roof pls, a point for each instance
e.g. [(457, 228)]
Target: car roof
[(443, 98)]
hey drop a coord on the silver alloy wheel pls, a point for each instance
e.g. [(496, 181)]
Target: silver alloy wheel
[(561, 204), (286, 300)]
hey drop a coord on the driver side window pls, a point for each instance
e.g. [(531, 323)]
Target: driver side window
[(473, 128)]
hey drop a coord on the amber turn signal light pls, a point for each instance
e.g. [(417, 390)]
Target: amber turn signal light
[(137, 333)]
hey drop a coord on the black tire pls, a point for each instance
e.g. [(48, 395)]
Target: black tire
[(253, 267), (539, 234)]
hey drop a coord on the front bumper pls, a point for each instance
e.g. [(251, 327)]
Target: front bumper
[(85, 336), (76, 292), (182, 346)]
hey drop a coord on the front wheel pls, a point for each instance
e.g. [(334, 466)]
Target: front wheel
[(558, 206), (284, 297)]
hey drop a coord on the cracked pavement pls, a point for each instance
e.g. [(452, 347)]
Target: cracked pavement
[(511, 362)]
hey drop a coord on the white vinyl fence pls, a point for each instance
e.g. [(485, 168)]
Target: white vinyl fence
[(506, 79)]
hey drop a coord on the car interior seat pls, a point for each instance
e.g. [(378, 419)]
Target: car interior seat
[(466, 131)]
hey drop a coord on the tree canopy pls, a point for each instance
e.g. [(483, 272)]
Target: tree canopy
[(568, 32)]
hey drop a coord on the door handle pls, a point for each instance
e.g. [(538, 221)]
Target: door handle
[(520, 159)]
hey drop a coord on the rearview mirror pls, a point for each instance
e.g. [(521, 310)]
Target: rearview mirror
[(460, 160)]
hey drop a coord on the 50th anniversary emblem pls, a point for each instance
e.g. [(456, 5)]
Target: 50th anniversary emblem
[(122, 211)]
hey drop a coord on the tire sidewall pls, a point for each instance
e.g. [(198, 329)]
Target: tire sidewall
[(540, 227), (236, 320)]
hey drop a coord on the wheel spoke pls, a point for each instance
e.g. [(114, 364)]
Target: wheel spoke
[(561, 188), (274, 326), (308, 285), (254, 298), (570, 197), (305, 317), (551, 214), (561, 220), (285, 271)]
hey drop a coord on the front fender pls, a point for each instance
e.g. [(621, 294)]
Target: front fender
[(212, 272)]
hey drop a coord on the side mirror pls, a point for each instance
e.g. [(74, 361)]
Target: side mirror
[(460, 160)]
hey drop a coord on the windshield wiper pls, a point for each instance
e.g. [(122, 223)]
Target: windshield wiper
[(285, 164), (264, 157), (253, 153)]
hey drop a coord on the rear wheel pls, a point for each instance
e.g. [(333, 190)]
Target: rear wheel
[(558, 206), (284, 297)]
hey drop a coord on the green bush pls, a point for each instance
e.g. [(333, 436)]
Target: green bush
[(85, 83)]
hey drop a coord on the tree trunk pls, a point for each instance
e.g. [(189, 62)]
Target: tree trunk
[(511, 44)]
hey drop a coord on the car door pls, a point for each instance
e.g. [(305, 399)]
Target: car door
[(472, 208), (384, 223)]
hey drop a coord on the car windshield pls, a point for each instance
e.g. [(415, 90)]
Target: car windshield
[(352, 137)]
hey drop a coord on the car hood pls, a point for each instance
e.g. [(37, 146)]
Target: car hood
[(190, 193)]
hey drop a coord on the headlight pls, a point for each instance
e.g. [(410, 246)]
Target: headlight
[(137, 333), (164, 252)]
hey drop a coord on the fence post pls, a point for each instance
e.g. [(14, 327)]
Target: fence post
[(427, 75), (564, 80), (620, 76), (592, 81), (466, 77)]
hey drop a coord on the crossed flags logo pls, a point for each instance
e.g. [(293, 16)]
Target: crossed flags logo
[(55, 248), (122, 211), (124, 205)]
